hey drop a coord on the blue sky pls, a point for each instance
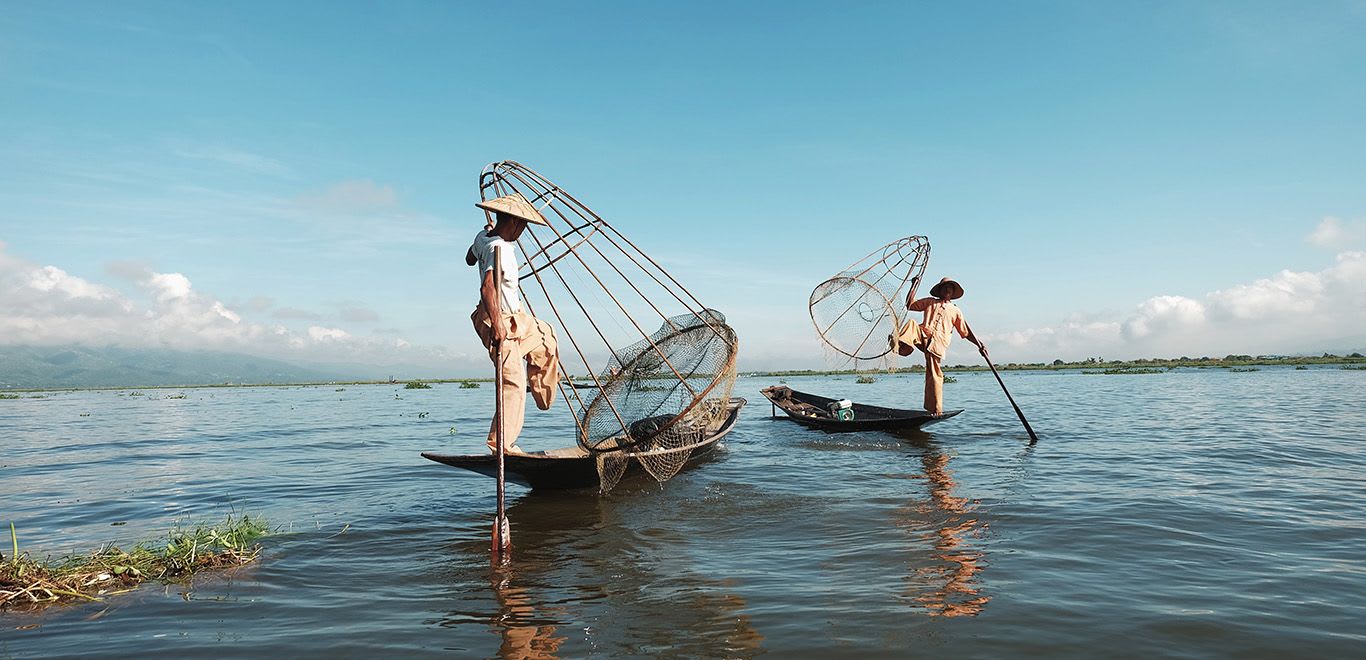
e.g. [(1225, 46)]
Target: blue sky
[(1122, 179)]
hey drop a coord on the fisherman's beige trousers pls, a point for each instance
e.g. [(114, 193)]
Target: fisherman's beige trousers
[(934, 385), (529, 351)]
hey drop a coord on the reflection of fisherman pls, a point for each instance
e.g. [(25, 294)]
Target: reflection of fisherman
[(528, 344), (932, 336)]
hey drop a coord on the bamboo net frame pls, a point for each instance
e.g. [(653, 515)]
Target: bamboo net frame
[(858, 309), (629, 332)]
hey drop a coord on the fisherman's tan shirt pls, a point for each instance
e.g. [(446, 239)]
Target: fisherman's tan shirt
[(942, 317)]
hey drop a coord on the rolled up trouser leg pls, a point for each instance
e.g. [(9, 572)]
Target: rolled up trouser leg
[(934, 385), (542, 362)]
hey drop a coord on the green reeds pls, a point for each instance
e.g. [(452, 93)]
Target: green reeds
[(109, 570), (469, 385), (866, 379), (8, 396), (416, 385)]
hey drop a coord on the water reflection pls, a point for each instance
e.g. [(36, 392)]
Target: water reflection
[(604, 574), (523, 635), (948, 585)]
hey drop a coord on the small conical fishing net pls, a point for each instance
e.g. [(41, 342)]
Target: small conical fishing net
[(857, 311), (670, 360)]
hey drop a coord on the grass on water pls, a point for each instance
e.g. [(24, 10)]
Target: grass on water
[(110, 570)]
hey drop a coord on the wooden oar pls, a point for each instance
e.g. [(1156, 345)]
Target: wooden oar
[(502, 533), (1032, 437)]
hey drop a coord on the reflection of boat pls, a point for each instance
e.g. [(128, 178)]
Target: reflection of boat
[(813, 410), (569, 467)]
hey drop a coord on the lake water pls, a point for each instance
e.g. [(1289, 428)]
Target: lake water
[(1195, 513)]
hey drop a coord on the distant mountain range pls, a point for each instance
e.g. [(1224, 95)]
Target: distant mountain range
[(83, 366)]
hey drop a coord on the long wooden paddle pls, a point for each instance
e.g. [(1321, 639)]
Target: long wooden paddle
[(1032, 437)]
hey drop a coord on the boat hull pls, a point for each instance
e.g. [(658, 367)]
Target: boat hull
[(571, 468), (806, 409)]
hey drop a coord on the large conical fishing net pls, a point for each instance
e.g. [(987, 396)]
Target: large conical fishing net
[(857, 311), (648, 369)]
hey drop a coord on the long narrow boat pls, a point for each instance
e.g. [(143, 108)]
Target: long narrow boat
[(569, 467), (813, 410)]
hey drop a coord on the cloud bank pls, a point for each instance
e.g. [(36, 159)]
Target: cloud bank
[(1289, 312), (47, 306)]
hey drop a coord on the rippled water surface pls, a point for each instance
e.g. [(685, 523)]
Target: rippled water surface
[(1191, 513)]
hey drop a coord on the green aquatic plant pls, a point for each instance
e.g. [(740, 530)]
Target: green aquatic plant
[(174, 396), (1242, 370), (136, 394), (416, 385), (1304, 368), (469, 385), (950, 379), (865, 380), (109, 570), (9, 396), (1354, 367), (1125, 371)]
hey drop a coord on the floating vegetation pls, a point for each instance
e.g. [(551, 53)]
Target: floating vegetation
[(1125, 371), (174, 396), (136, 394), (9, 396), (416, 385), (109, 570), (469, 385), (1354, 367), (1243, 370), (423, 415), (340, 389), (950, 379), (1304, 368), (866, 379), (452, 430)]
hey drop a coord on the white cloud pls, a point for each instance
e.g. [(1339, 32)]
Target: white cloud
[(357, 196), (1288, 312), (1334, 234), (45, 305), (1163, 313), (319, 333)]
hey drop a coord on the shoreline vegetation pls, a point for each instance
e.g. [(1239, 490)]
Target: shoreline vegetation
[(1096, 365), (26, 582)]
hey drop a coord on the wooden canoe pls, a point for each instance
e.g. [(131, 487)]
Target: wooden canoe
[(569, 467), (812, 410)]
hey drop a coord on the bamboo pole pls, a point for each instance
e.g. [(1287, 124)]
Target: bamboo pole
[(502, 534)]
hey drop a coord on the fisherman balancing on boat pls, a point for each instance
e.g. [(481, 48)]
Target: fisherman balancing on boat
[(529, 349), (932, 336)]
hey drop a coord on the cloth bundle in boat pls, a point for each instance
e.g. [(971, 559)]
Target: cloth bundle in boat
[(661, 397), (857, 311)]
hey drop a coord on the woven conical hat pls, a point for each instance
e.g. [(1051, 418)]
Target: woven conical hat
[(516, 206), (955, 290)]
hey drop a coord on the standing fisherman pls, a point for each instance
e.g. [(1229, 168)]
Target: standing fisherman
[(932, 336), (529, 349)]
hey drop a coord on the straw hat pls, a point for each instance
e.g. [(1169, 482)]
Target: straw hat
[(947, 289), (516, 206)]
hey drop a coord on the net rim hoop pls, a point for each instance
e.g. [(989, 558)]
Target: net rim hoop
[(811, 309), (733, 341)]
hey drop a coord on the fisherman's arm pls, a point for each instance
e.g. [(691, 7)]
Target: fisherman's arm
[(920, 305), (488, 297), (961, 325), (470, 259)]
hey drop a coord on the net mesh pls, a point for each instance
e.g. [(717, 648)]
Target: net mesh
[(662, 396), (857, 311), (670, 360)]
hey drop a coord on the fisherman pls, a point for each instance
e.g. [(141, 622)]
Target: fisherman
[(529, 348), (932, 336)]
